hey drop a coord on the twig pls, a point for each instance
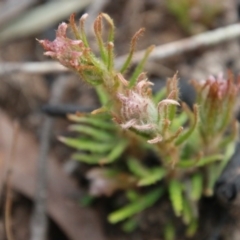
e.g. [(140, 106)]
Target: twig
[(205, 39), (160, 52), (8, 200), (32, 67), (39, 219)]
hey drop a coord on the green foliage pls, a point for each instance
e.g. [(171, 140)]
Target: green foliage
[(116, 152), (137, 168), (187, 211), (160, 95), (200, 162), (135, 207), (155, 175), (92, 132), (147, 176), (176, 196), (193, 116), (98, 142), (192, 146), (87, 145), (101, 122), (169, 232), (192, 227), (196, 186), (139, 67), (130, 225)]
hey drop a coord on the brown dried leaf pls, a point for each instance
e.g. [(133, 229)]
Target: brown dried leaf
[(78, 223)]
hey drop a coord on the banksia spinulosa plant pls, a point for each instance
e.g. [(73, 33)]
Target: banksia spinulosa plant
[(129, 102), (132, 120)]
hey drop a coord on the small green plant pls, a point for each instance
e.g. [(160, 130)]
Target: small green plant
[(192, 144)]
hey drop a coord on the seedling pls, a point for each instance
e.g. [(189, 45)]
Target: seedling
[(193, 145)]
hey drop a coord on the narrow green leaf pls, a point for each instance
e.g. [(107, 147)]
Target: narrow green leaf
[(137, 168), (217, 170), (187, 211), (185, 163), (130, 225), (127, 62), (192, 228), (87, 158), (98, 122), (226, 116), (209, 159), (102, 95), (200, 163), (229, 151), (171, 111), (97, 134), (89, 77), (154, 176), (197, 187), (132, 195), (115, 153), (179, 121), (133, 43), (160, 95), (110, 58), (82, 30), (212, 176), (98, 33), (183, 137), (175, 191), (111, 24), (169, 232), (139, 67), (133, 208), (87, 145)]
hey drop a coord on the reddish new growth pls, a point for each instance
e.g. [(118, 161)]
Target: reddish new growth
[(65, 50), (218, 87), (131, 101), (138, 110), (217, 97)]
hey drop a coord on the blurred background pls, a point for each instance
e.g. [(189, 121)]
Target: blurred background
[(39, 182)]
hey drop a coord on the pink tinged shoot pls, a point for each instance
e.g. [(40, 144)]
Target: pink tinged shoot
[(134, 105), (157, 139), (65, 50), (139, 112), (167, 102), (218, 87)]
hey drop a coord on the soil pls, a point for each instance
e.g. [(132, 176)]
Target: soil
[(22, 97)]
